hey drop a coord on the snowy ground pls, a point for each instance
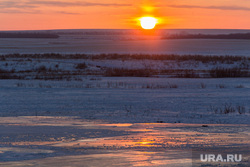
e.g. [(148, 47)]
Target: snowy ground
[(74, 67), (131, 99)]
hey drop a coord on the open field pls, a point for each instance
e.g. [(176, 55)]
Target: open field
[(75, 66), (131, 99)]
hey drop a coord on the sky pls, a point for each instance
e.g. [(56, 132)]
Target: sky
[(114, 14)]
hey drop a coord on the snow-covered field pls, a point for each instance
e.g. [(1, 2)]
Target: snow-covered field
[(74, 67), (131, 99)]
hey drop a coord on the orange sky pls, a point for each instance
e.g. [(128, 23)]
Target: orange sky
[(114, 14)]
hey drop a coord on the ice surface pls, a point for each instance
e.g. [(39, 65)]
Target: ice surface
[(90, 143)]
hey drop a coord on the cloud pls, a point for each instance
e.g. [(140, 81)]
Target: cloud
[(31, 6), (58, 3), (13, 4), (76, 3), (67, 13), (211, 7), (16, 11)]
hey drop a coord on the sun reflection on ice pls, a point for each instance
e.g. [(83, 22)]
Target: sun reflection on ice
[(143, 144)]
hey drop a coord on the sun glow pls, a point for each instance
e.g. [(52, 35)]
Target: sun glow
[(148, 23)]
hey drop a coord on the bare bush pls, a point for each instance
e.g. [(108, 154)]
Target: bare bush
[(41, 68), (239, 86), (121, 72), (227, 72), (228, 109), (221, 86), (81, 66), (203, 86)]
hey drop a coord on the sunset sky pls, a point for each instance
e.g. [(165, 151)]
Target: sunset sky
[(114, 14)]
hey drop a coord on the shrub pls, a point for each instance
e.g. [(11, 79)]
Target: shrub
[(241, 109), (228, 109), (203, 86), (81, 66), (41, 68), (227, 72), (172, 85), (239, 86), (221, 86), (119, 72)]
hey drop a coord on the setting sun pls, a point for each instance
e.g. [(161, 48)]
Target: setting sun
[(148, 22)]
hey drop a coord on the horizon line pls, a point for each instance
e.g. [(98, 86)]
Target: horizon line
[(125, 29)]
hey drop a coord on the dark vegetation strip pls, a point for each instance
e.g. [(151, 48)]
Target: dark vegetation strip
[(245, 36), (179, 73), (49, 74), (201, 58), (27, 35), (81, 69)]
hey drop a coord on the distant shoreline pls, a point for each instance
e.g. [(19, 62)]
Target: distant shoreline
[(209, 36), (27, 35), (182, 35)]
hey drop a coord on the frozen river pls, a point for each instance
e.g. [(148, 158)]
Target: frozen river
[(69, 141)]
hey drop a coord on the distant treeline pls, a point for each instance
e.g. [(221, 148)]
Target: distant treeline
[(27, 35), (114, 56), (99, 33), (208, 36)]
